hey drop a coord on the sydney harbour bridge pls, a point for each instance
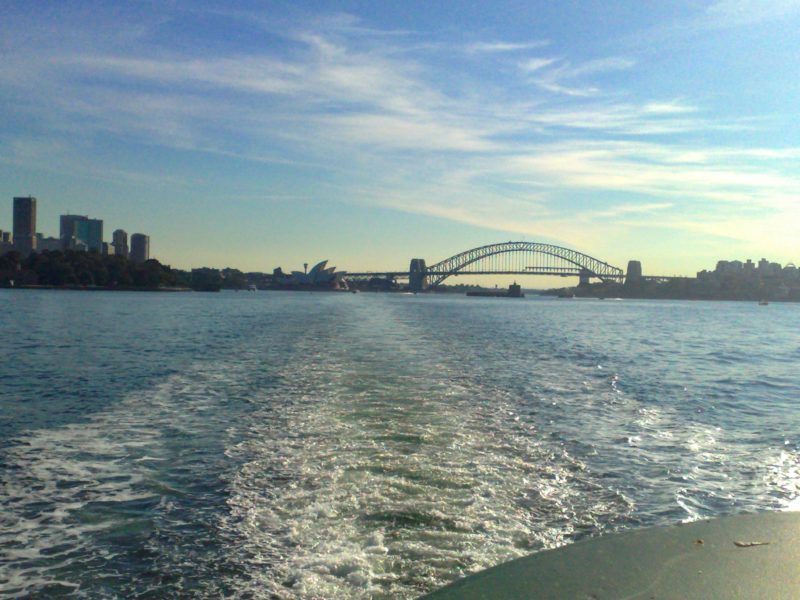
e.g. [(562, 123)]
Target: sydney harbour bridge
[(510, 258)]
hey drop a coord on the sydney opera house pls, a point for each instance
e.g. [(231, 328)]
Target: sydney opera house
[(319, 277)]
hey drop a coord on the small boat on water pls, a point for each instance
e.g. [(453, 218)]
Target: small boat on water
[(251, 288), (762, 302)]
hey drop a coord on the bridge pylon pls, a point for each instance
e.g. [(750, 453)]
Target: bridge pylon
[(634, 273), (584, 277), (417, 275)]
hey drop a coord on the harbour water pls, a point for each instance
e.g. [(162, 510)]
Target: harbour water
[(298, 445)]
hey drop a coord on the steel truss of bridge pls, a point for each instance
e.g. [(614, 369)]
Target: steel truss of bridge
[(405, 274), (507, 258)]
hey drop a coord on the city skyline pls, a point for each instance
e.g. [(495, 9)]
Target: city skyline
[(75, 232), (255, 135), (80, 232)]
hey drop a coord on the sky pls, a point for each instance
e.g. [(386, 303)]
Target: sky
[(265, 134)]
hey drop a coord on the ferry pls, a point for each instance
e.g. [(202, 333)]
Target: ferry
[(743, 556)]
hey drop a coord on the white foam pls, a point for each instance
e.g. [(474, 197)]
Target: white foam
[(56, 477), (391, 494)]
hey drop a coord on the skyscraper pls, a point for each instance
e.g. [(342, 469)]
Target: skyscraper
[(140, 247), (79, 232), (120, 242), (68, 231), (25, 224), (94, 239)]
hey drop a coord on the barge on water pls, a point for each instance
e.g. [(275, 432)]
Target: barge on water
[(513, 291)]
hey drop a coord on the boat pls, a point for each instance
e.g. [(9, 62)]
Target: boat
[(251, 288), (513, 291), (744, 556), (762, 302)]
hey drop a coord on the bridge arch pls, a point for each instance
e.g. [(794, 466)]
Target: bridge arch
[(537, 258)]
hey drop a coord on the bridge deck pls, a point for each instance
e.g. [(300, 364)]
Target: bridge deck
[(405, 274), (554, 273)]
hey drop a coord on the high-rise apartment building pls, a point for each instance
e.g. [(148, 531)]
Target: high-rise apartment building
[(140, 247), (120, 242), (25, 224), (79, 232)]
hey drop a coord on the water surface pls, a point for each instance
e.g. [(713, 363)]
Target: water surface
[(298, 445)]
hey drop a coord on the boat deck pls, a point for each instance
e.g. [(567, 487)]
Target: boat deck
[(746, 556)]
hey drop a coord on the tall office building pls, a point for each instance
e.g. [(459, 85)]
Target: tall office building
[(120, 242), (25, 224), (94, 239), (79, 232), (66, 229), (140, 247)]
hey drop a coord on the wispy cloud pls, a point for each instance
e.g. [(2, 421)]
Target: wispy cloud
[(715, 18), (600, 65), (561, 77), (537, 64), (497, 47), (626, 118), (746, 12), (627, 209), (673, 107), (658, 172)]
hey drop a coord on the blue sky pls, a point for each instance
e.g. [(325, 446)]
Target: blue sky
[(258, 134)]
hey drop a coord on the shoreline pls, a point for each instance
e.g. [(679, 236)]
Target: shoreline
[(81, 288), (543, 294)]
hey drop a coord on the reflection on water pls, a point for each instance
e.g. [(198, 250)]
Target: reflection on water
[(324, 445)]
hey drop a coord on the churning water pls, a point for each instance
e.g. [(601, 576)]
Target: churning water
[(295, 445)]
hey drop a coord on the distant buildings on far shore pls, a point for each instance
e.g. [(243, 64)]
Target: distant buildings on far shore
[(79, 232), (25, 224), (76, 232), (734, 268), (119, 240), (140, 247)]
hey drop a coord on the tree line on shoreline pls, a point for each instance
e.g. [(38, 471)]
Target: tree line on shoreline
[(727, 288), (71, 268), (92, 270)]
